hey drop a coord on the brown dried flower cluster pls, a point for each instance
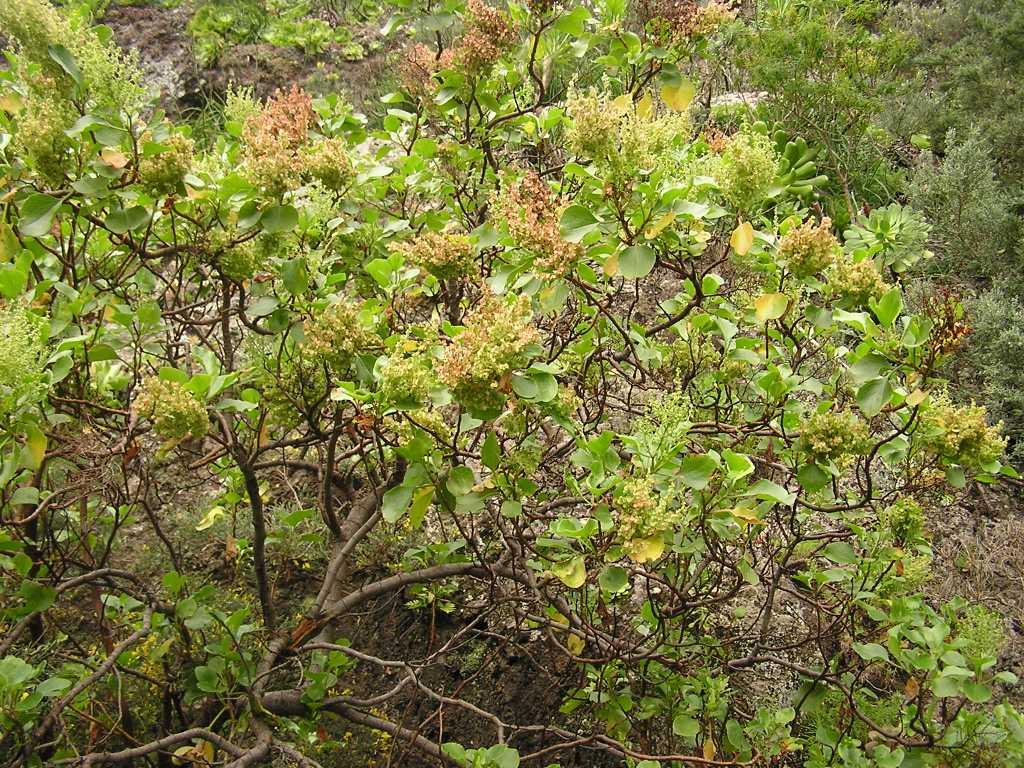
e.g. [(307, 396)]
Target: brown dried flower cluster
[(273, 138), (532, 211), (675, 21), (417, 70), (488, 35)]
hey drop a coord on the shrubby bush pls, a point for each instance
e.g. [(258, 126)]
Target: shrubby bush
[(629, 399)]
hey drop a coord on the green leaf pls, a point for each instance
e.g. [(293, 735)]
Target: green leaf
[(739, 464), (421, 499), (576, 223), (685, 727), (460, 481), (871, 651), (127, 219), (63, 57), (35, 447), (52, 686), (613, 578), (812, 477), (697, 470), (636, 261), (888, 308), (208, 680), (279, 218), (490, 451), (771, 491), (294, 275), (37, 214), (395, 502), (873, 396), (37, 597), (841, 552)]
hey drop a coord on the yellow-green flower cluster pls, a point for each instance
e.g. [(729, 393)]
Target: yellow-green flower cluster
[(405, 381), (961, 433), (337, 335), (595, 122), (809, 249), (328, 161), (834, 435), (624, 139), (641, 511), (444, 255), (163, 173), (237, 260), (40, 136), (23, 351), (476, 365), (175, 412), (745, 169), (856, 281), (904, 521)]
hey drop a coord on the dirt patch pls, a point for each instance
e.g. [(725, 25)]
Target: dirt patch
[(160, 37)]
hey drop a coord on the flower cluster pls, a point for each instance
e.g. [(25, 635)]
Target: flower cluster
[(405, 381), (238, 261), (40, 133), (442, 254), (23, 351), (672, 22), (640, 510), (492, 345), (488, 34), (417, 69), (273, 138), (834, 436), (175, 412), (337, 335), (809, 249), (745, 169), (904, 520), (328, 162), (624, 139), (162, 173), (595, 122), (532, 212), (856, 281), (961, 434)]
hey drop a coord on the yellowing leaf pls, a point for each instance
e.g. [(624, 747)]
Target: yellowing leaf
[(656, 228), (646, 549), (916, 397), (742, 238), (9, 245), (710, 750), (35, 447), (645, 107), (746, 515), (10, 102), (210, 518), (114, 157), (771, 306), (575, 644), (611, 265), (572, 573), (678, 96), (621, 103)]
